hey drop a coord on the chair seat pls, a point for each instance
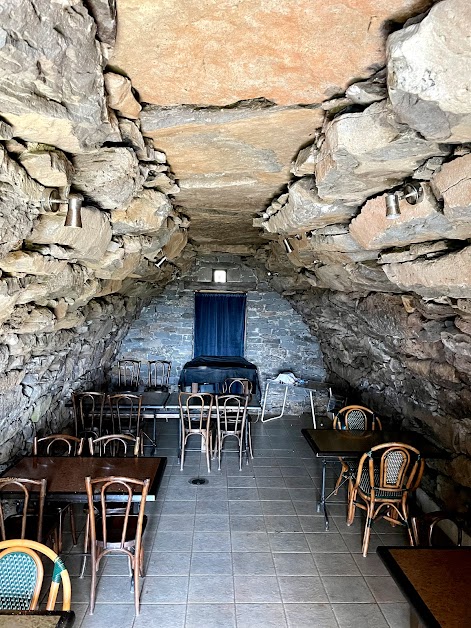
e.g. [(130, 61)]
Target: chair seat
[(380, 493), (13, 526), (114, 529)]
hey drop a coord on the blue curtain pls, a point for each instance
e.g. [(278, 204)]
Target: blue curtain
[(219, 324)]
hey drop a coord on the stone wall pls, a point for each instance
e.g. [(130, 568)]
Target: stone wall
[(276, 337)]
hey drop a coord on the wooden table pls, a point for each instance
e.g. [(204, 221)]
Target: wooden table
[(36, 619), (66, 476), (435, 581), (329, 445)]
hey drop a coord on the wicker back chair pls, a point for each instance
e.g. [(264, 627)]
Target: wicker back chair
[(231, 421), (386, 476), (128, 374), (88, 413), (22, 573), (158, 375), (112, 533)]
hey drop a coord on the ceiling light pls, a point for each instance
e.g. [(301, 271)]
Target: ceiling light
[(288, 247), (413, 193), (161, 261)]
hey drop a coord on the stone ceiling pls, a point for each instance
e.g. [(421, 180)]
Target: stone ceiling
[(231, 159)]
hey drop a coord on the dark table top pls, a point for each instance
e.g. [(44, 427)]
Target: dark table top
[(435, 581), (66, 476), (216, 369), (36, 619), (354, 443)]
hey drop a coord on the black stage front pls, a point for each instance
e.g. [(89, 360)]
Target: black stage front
[(207, 369)]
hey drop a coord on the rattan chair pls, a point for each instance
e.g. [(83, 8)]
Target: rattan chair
[(158, 375), (116, 533), (60, 445), (428, 532), (122, 445), (88, 413), (195, 417), (386, 477), (353, 418), (125, 412), (29, 522), (231, 413), (128, 374), (22, 573)]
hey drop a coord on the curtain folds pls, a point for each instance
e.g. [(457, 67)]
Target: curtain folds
[(219, 324)]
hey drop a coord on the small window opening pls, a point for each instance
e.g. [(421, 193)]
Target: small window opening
[(219, 276)]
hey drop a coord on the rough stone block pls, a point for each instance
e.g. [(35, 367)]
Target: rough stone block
[(50, 168), (452, 184), (120, 96), (146, 214)]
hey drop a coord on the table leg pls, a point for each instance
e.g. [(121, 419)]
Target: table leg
[(321, 504), (262, 418), (313, 413)]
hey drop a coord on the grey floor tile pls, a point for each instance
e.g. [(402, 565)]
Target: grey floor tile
[(178, 508), (242, 494), (397, 614), (303, 481), (114, 590), (210, 616), (311, 523), (182, 523), (326, 542), (294, 564), (211, 542), (267, 472), (211, 563), (247, 523), (245, 507), (291, 471), (160, 616), (165, 589), (260, 616), (250, 542), (106, 615), (211, 589), (208, 493), (354, 542), (288, 542), (330, 564), (384, 589), (241, 481), (347, 589), (212, 523), (274, 493), (256, 589), (310, 616), (370, 565), (208, 507), (168, 563), (166, 541), (282, 523), (303, 494), (185, 492), (355, 615), (270, 482), (276, 507), (302, 589), (253, 563), (305, 507)]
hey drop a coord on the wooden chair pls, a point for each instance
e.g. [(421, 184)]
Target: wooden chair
[(195, 417), (128, 374), (60, 445), (353, 418), (116, 533), (114, 445), (22, 573), (158, 375), (241, 386), (88, 413), (425, 525), (125, 409), (386, 476), (29, 522), (231, 412)]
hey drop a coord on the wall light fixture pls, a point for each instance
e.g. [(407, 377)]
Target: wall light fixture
[(74, 209), (288, 247), (413, 193)]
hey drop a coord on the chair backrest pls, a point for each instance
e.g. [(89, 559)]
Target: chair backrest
[(393, 466), (237, 386), (88, 413), (128, 373), (195, 410), (125, 411), (356, 418), (122, 445), (158, 374), (231, 412), (102, 508), (424, 526), (21, 489), (58, 445), (22, 573)]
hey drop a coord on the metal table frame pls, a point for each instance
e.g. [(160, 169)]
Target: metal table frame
[(311, 387)]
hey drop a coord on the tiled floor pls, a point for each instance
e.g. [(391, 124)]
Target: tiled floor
[(247, 549)]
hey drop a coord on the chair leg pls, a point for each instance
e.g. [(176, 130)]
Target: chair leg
[(240, 439), (345, 469), (85, 546), (182, 452), (351, 504), (250, 440), (73, 528), (367, 533), (93, 584), (219, 446), (137, 567), (207, 446)]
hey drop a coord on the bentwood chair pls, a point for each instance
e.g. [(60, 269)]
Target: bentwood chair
[(158, 375), (60, 445), (195, 417), (29, 522), (386, 476), (88, 413), (353, 418), (116, 533), (128, 374), (425, 525), (22, 573), (125, 409), (231, 412), (114, 445), (241, 386)]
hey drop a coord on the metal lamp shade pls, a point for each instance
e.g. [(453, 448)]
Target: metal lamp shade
[(392, 206), (74, 212)]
